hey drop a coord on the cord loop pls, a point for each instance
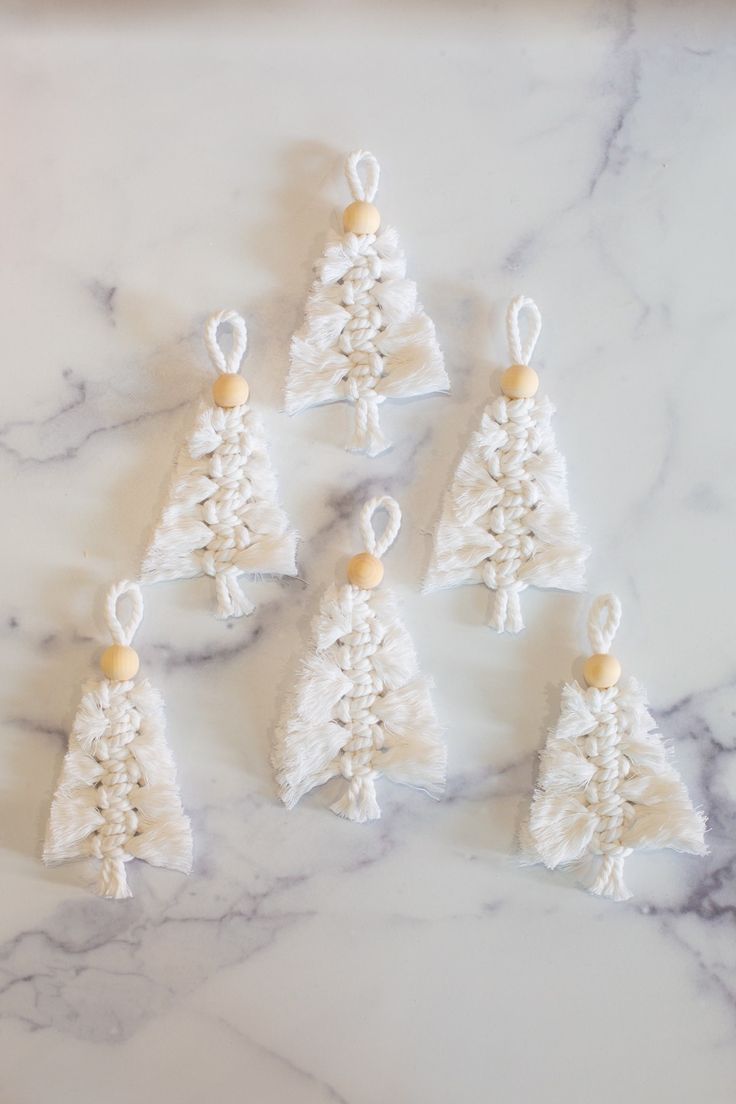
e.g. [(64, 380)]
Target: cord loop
[(373, 543), (603, 622), (229, 363), (521, 353), (122, 632), (359, 190)]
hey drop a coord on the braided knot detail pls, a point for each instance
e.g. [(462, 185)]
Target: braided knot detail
[(511, 521), (612, 811), (222, 511), (357, 757), (118, 785), (358, 343)]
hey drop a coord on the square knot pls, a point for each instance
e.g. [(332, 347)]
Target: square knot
[(210, 563), (357, 763), (361, 385)]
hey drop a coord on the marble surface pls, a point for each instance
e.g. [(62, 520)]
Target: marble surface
[(163, 162)]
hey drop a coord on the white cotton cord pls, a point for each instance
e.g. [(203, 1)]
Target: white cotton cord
[(361, 709), (506, 521), (122, 632), (603, 622), (374, 544), (366, 337), (359, 190), (117, 798), (231, 362), (222, 517), (607, 785), (521, 352)]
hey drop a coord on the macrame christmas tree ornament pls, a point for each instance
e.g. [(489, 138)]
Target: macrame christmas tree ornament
[(117, 798), (365, 337), (606, 784), (222, 517), (361, 708), (506, 520)]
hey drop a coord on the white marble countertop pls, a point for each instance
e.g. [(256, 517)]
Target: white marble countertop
[(159, 167)]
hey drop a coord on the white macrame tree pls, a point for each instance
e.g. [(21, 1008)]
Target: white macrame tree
[(361, 708), (222, 517), (606, 784), (506, 521), (117, 798), (365, 337)]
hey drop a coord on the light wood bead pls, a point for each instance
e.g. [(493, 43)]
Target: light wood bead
[(365, 571), (520, 382), (361, 218), (119, 662), (230, 389), (601, 671)]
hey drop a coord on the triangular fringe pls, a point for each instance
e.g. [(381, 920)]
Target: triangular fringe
[(222, 516), (360, 710), (506, 519), (607, 787), (117, 797), (365, 337)]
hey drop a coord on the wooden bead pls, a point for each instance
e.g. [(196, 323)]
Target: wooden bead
[(520, 382), (119, 662), (601, 671), (365, 571), (361, 218), (230, 389)]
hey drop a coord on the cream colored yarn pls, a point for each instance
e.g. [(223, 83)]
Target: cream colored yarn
[(117, 798), (365, 337)]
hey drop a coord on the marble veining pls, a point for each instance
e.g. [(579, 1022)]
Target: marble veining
[(167, 162)]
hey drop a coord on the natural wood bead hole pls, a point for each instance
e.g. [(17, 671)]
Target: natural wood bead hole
[(520, 381), (119, 662), (602, 671), (230, 389), (365, 571), (361, 218)]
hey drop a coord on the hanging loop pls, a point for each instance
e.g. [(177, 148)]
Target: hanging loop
[(603, 622), (359, 190), (221, 362), (373, 543), (521, 352), (122, 632)]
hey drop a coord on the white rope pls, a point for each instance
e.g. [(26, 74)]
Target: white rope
[(117, 798), (222, 516), (603, 622), (361, 191), (365, 337), (374, 544), (362, 709), (122, 632), (506, 521), (606, 784), (221, 362), (522, 353)]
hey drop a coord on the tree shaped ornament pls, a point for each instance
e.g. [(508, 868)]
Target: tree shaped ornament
[(222, 517), (606, 785), (117, 797), (365, 337), (361, 707), (506, 520)]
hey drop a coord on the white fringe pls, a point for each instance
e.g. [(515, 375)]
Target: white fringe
[(606, 787), (506, 520), (365, 337), (117, 797), (222, 516), (361, 709)]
